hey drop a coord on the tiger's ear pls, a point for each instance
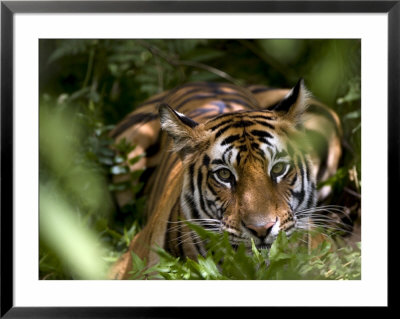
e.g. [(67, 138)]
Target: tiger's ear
[(294, 103), (180, 128)]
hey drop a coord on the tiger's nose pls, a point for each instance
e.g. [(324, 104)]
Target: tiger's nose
[(261, 230)]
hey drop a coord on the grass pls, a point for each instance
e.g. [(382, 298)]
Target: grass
[(288, 259)]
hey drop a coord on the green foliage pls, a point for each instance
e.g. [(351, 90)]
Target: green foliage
[(70, 185), (288, 259), (76, 162), (88, 85)]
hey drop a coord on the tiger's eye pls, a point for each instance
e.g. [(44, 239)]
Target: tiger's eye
[(224, 174), (278, 168)]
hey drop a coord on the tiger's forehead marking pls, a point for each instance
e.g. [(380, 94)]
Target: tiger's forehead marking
[(242, 135), (233, 147)]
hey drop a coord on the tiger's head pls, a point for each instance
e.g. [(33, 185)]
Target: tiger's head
[(247, 172)]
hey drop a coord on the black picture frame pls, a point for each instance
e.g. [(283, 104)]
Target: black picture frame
[(9, 8)]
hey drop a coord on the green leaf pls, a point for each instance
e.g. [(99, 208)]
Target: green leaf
[(124, 147), (136, 159), (352, 115), (105, 160), (135, 175), (117, 187), (118, 169), (118, 159), (137, 188)]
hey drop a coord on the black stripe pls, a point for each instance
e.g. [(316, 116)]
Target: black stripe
[(212, 190), (266, 124), (179, 239), (153, 149), (237, 101), (261, 153), (191, 173), (306, 182), (223, 130), (144, 178), (265, 141), (268, 118), (222, 123), (229, 156), (192, 206), (193, 98), (196, 89), (233, 115), (299, 196), (201, 112), (196, 245), (211, 204), (229, 148), (243, 124), (255, 146), (218, 162), (241, 113), (238, 158), (261, 133), (310, 200), (206, 160), (294, 180), (307, 169), (302, 174), (199, 187), (230, 139)]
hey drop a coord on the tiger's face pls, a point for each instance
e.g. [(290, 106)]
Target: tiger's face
[(243, 172)]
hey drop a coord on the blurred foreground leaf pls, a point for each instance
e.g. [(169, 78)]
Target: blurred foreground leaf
[(77, 246), (74, 198)]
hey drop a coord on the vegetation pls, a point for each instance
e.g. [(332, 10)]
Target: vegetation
[(87, 86), (288, 259)]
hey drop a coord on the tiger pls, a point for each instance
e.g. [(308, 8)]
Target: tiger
[(244, 160)]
